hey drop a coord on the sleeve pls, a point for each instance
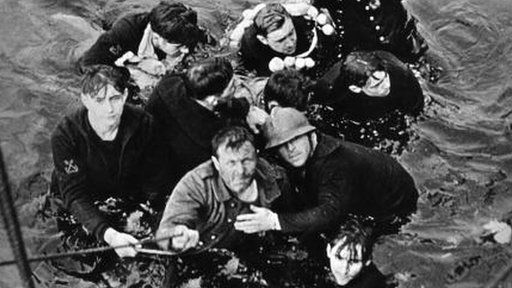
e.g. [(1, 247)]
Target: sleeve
[(155, 167), (182, 208), (333, 202), (71, 173), (110, 45)]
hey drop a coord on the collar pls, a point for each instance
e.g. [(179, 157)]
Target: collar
[(326, 145), (146, 48), (266, 180)]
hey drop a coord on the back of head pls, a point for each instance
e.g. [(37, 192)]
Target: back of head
[(270, 18), (176, 23), (210, 77), (289, 88), (358, 67), (232, 137), (97, 77)]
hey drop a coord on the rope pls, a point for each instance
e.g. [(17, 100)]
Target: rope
[(46, 257), (13, 228)]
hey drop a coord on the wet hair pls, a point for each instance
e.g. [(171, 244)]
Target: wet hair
[(270, 18), (354, 231), (97, 77), (176, 23), (233, 137), (289, 88), (358, 67), (210, 77)]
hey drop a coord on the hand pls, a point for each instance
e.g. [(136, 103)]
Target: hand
[(115, 239), (184, 238), (261, 220), (256, 118)]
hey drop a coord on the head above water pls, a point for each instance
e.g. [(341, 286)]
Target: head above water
[(211, 78), (274, 28), (234, 157), (104, 92), (349, 251), (175, 24), (287, 88), (291, 135), (363, 72)]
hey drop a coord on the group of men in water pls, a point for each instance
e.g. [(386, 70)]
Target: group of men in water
[(226, 171)]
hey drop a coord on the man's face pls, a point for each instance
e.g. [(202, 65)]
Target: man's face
[(173, 50), (378, 84), (106, 107), (345, 266), (296, 151), (282, 40), (236, 166)]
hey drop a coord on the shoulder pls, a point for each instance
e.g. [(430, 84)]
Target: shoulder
[(196, 178), (71, 125), (131, 22), (270, 170)]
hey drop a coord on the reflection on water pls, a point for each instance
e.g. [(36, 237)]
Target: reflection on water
[(461, 160)]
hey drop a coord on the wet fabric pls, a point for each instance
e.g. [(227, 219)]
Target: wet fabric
[(81, 166), (343, 177)]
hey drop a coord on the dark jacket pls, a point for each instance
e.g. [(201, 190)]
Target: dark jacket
[(84, 169), (405, 94), (341, 178), (125, 35), (201, 201), (387, 27), (187, 127), (254, 55), (369, 277)]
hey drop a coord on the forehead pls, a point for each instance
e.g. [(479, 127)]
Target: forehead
[(282, 32), (345, 252), (106, 91), (225, 153)]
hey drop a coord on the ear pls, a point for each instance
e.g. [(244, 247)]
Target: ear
[(125, 95), (272, 104), (215, 163), (85, 100), (262, 39), (355, 89), (328, 250)]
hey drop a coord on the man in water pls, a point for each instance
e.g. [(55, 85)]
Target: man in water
[(107, 149), (276, 35), (332, 178), (368, 85), (153, 41)]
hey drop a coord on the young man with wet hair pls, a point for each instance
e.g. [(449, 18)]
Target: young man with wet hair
[(186, 105), (275, 34), (154, 41), (350, 256), (107, 149), (287, 88), (333, 178), (370, 84)]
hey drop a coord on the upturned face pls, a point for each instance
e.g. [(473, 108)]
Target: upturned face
[(296, 151), (345, 264), (378, 84), (236, 166), (106, 107), (284, 39)]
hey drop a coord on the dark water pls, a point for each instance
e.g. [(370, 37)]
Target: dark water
[(461, 159)]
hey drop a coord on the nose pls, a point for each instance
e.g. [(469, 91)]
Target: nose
[(109, 106), (290, 146)]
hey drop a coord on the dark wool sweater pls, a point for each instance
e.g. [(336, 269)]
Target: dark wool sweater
[(85, 170)]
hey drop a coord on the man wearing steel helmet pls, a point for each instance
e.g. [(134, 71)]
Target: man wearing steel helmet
[(333, 178)]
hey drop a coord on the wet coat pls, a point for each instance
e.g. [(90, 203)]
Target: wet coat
[(82, 166), (187, 127), (405, 94), (341, 178), (201, 201), (256, 56), (125, 35), (376, 25)]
